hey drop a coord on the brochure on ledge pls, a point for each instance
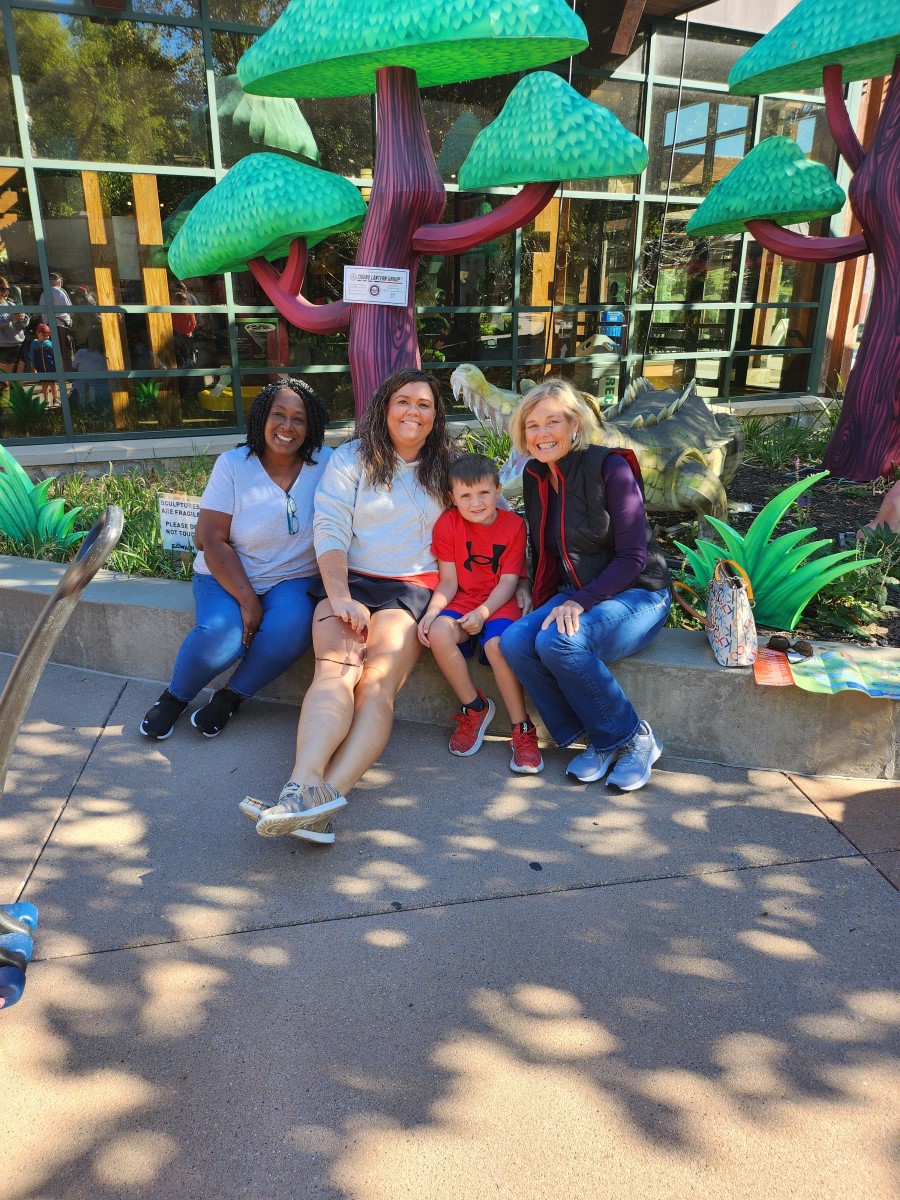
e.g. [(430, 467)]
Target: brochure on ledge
[(828, 672)]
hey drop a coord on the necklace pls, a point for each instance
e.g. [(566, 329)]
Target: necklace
[(422, 510)]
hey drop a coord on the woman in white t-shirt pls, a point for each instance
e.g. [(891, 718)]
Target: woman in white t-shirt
[(256, 562)]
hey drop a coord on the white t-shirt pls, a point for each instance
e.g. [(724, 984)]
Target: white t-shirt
[(240, 486)]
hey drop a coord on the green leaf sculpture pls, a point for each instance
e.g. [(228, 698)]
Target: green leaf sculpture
[(775, 182), (863, 38), (548, 131), (256, 211), (334, 47), (26, 515), (784, 576)]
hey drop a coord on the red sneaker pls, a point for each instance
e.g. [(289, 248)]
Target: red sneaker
[(471, 728), (526, 755)]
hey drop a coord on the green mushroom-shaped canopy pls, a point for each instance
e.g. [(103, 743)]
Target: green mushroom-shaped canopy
[(775, 182), (547, 131), (860, 35), (262, 204), (334, 47)]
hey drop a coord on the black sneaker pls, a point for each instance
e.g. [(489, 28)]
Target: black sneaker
[(212, 718), (160, 720)]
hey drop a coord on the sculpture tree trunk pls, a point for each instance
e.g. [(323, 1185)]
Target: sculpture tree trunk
[(866, 440), (406, 192)]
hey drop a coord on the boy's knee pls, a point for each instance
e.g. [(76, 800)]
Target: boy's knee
[(443, 632)]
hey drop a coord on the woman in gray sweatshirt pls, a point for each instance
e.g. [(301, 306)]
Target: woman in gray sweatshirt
[(375, 509)]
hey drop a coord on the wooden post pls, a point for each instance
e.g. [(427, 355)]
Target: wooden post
[(102, 258), (156, 291)]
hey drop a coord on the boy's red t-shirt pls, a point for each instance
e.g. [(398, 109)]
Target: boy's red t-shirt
[(481, 554)]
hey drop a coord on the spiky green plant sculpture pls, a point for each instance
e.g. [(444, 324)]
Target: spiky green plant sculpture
[(26, 515), (784, 575)]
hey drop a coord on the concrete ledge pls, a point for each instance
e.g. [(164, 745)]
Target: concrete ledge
[(133, 627)]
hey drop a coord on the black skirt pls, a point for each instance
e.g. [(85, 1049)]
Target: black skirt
[(378, 593)]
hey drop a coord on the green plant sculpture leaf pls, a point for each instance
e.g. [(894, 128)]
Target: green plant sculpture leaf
[(256, 211), (864, 38), (548, 131), (775, 182), (26, 515), (334, 47), (784, 574)]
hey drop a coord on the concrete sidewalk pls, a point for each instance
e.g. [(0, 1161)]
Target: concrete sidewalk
[(492, 987)]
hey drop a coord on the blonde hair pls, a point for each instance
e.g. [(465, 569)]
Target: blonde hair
[(584, 421)]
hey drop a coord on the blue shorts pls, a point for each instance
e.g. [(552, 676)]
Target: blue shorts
[(491, 629)]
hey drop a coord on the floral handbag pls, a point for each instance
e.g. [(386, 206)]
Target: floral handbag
[(729, 614)]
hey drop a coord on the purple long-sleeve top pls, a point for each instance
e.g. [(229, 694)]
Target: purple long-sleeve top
[(627, 516)]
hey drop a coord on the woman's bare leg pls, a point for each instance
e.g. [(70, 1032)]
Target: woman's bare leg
[(328, 706), (393, 648)]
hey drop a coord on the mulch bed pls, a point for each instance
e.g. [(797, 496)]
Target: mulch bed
[(834, 509)]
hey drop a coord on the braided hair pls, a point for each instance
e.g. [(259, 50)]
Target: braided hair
[(316, 417), (377, 452)]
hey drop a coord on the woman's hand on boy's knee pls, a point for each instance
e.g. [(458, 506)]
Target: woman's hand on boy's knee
[(565, 616), (423, 628)]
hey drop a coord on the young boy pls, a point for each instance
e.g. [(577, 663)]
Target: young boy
[(481, 553), (43, 361)]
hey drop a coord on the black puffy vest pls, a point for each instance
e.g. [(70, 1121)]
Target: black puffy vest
[(585, 535)]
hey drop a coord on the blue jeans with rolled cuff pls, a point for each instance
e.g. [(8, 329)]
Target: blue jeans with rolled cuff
[(214, 644), (567, 676)]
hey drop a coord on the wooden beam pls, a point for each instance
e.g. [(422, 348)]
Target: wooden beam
[(628, 25)]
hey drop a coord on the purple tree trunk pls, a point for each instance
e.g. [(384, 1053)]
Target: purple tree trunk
[(866, 440), (406, 192)]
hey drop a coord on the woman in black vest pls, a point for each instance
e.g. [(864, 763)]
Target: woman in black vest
[(602, 590)]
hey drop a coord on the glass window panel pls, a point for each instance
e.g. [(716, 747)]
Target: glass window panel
[(274, 342), (168, 8), (713, 133), (568, 334), (34, 414), (457, 112), (681, 330), (602, 31), (676, 375), (247, 12), (775, 372), (804, 123), (624, 100), (112, 90), (771, 279), (119, 404), (107, 233), (455, 337), (18, 246), (580, 252), (776, 328), (710, 55), (334, 134), (690, 269), (483, 276), (9, 136)]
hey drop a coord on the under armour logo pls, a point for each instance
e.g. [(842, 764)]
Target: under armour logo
[(484, 560)]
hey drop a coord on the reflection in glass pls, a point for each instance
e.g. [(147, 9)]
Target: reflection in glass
[(263, 13), (689, 269), (482, 276), (710, 55), (776, 372), (775, 328), (771, 279), (681, 330), (455, 113), (713, 134), (125, 94), (170, 8), (9, 136), (96, 405), (804, 123), (18, 246), (580, 249)]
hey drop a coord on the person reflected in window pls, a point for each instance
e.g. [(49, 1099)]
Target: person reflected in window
[(12, 333), (63, 318), (43, 361), (89, 360)]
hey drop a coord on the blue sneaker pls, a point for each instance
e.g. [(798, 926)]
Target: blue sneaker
[(591, 764), (635, 761)]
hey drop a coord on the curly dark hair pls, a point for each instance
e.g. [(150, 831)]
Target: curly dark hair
[(376, 450), (316, 417)]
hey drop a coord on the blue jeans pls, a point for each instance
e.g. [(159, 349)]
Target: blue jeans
[(214, 643), (566, 675)]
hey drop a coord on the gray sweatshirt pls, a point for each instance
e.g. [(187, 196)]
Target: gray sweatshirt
[(383, 531)]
